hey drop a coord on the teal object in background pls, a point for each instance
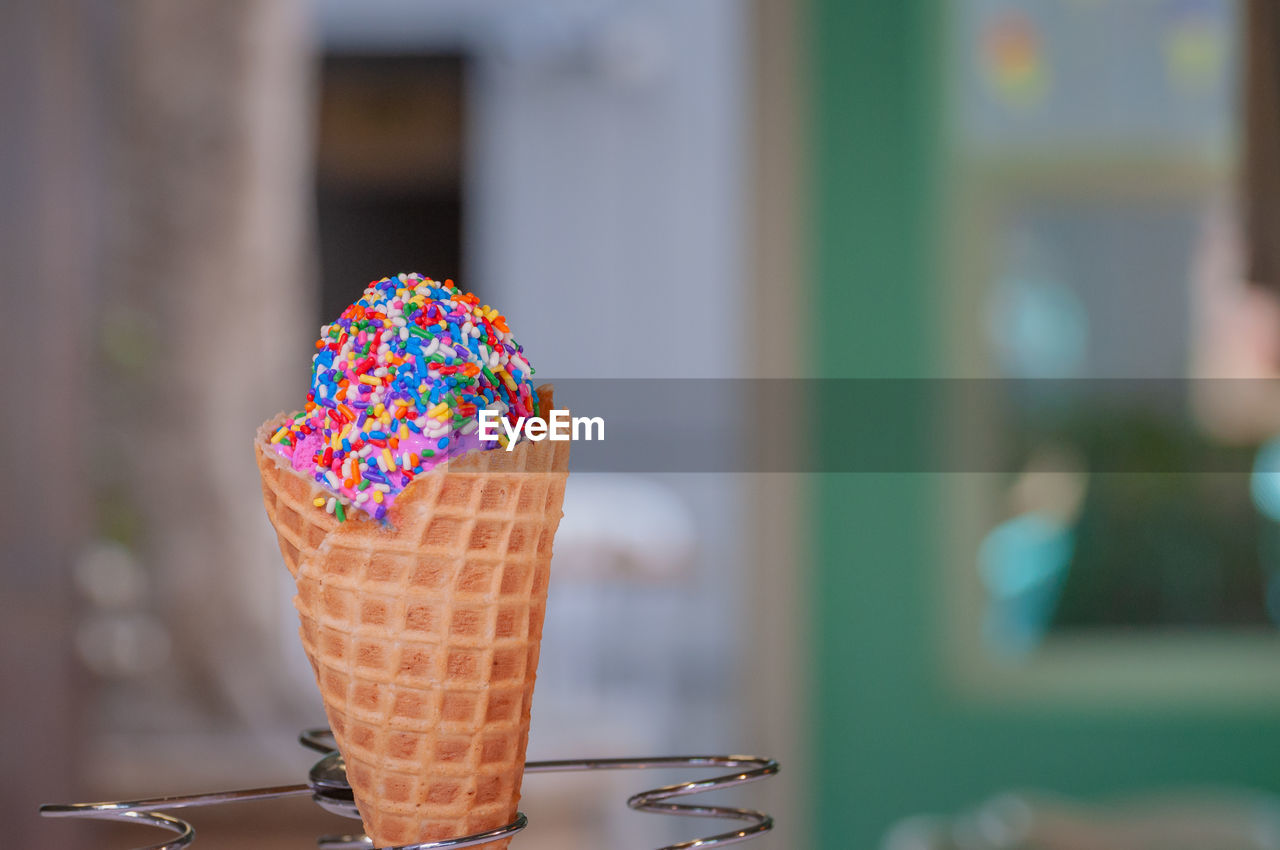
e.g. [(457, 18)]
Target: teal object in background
[(891, 735)]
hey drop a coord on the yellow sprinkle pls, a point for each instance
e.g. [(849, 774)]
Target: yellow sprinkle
[(404, 431), (438, 410), (318, 502), (391, 462), (378, 411), (279, 435), (373, 382), (377, 496)]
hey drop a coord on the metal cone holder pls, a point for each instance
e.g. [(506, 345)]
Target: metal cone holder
[(327, 785)]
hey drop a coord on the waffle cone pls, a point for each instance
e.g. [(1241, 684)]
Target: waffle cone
[(424, 635)]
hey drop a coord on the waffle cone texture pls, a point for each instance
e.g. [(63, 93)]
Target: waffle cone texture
[(424, 633)]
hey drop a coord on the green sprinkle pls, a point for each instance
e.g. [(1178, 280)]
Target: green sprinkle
[(417, 331), (341, 514), (363, 485)]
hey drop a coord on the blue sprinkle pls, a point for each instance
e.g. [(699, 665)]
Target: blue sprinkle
[(442, 443)]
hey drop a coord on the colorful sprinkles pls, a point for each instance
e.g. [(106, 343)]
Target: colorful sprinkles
[(397, 383)]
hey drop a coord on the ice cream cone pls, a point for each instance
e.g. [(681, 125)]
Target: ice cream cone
[(424, 634)]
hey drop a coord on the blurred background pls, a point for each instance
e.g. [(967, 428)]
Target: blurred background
[(1049, 207)]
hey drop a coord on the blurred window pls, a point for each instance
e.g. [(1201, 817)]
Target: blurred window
[(1098, 281), (389, 170)]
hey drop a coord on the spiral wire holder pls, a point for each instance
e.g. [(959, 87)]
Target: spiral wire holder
[(327, 785)]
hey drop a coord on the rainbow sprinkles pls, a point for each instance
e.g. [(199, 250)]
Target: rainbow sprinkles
[(397, 386)]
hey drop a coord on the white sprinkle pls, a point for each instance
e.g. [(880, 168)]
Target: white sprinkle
[(361, 498), (433, 347), (386, 488), (329, 505), (404, 332)]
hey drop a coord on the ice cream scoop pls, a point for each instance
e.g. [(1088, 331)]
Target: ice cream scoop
[(397, 385)]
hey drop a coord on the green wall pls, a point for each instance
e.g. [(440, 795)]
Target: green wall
[(889, 739)]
